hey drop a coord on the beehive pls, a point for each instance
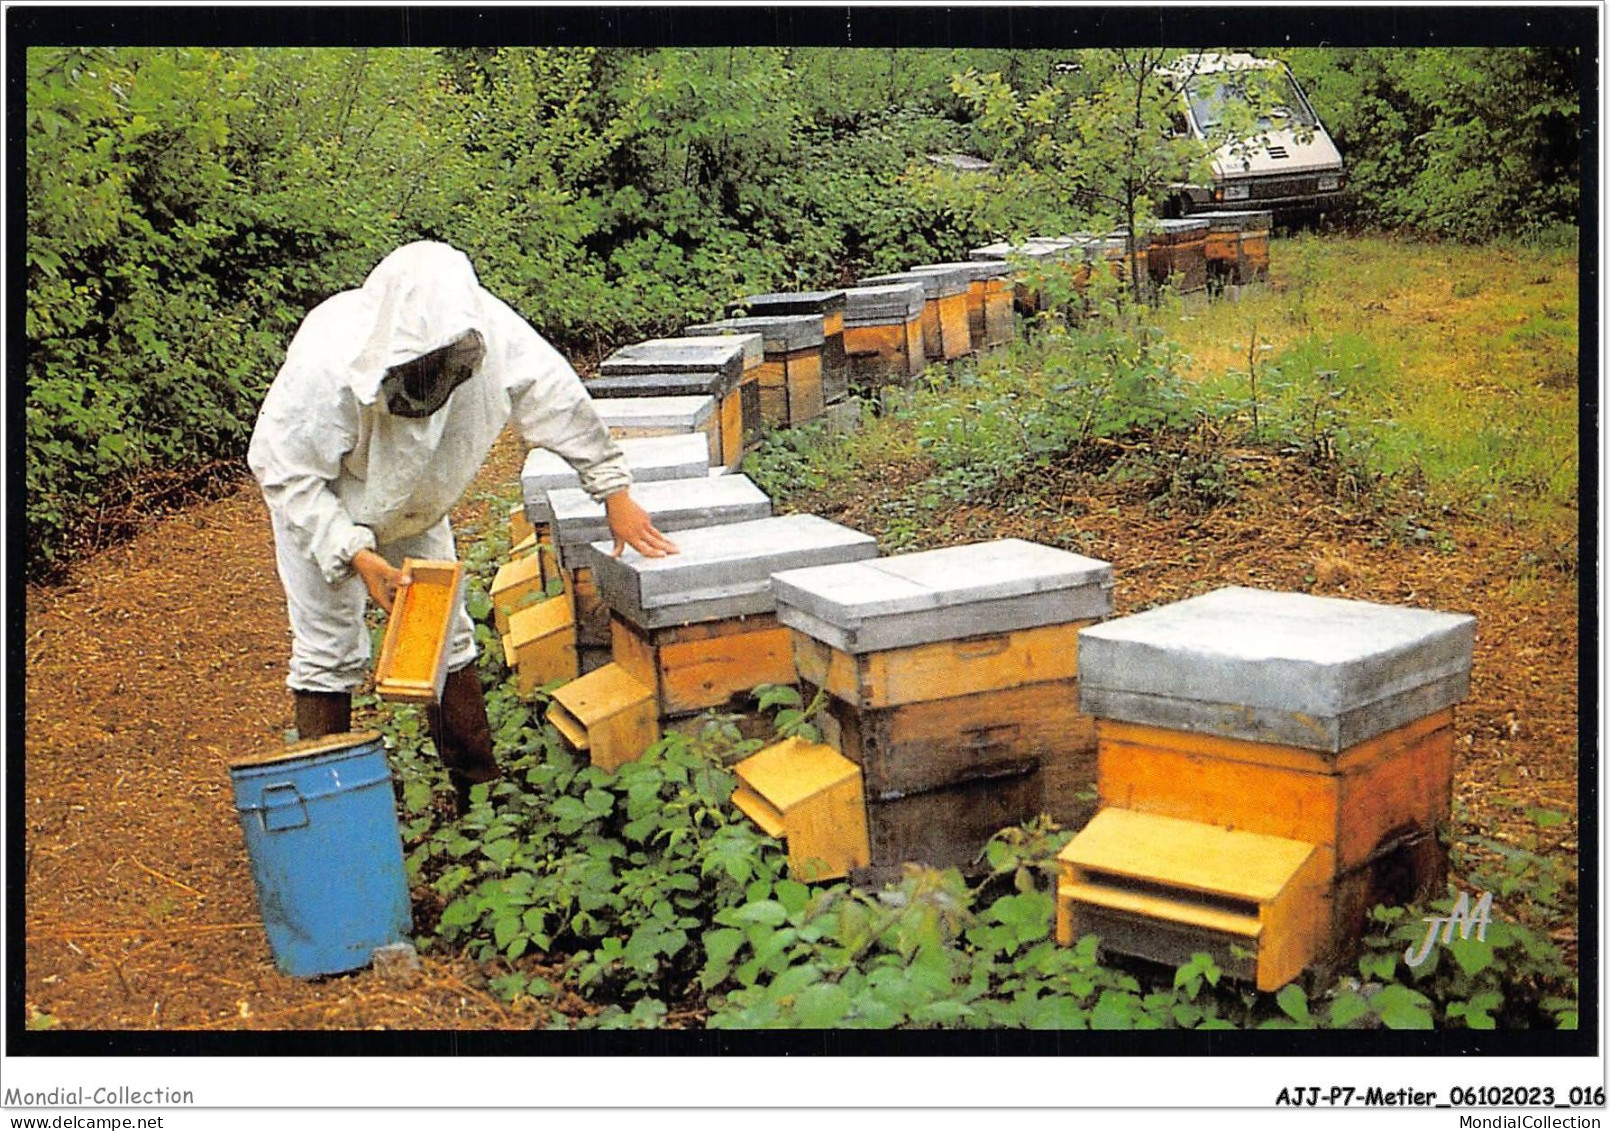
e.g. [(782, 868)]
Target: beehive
[(790, 378), (945, 333), (607, 715), (541, 644), (883, 335), (952, 672), (730, 363), (632, 417), (1237, 246), (1039, 255), (722, 572), (649, 459), (989, 299), (1165, 889), (732, 412), (829, 306), (1178, 254), (672, 504), (414, 653), (1318, 720), (516, 585), (809, 797)]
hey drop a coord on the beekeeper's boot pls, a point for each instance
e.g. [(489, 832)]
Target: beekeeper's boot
[(319, 713), (463, 735)]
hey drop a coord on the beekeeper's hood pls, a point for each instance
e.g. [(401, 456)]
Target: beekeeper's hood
[(423, 332)]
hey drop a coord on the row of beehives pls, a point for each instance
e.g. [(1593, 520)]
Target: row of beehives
[(1268, 765), (787, 359)]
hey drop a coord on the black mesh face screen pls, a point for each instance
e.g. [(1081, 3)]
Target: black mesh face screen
[(419, 387)]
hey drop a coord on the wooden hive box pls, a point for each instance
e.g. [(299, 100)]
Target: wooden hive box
[(1163, 889), (695, 667), (541, 644), (1178, 253), (650, 459), (989, 299), (790, 378), (607, 715), (1314, 719), (808, 796), (953, 666), (673, 504), (1237, 245), (632, 417), (516, 585), (827, 305), (414, 652), (945, 333), (883, 335), (520, 527)]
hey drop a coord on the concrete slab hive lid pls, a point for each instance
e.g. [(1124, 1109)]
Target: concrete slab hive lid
[(1191, 225), (783, 333), (721, 572), (876, 306), (991, 251), (698, 383), (935, 284), (974, 269), (946, 594), (788, 302), (686, 413), (650, 459), (1315, 672), (1255, 220), (673, 504), (734, 352)]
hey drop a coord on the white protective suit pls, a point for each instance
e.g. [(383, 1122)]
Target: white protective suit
[(341, 474)]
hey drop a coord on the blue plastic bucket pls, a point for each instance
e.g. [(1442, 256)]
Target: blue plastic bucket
[(321, 831)]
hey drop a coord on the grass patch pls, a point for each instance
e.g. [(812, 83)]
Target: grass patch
[(1453, 367)]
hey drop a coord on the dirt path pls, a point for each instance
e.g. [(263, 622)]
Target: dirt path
[(156, 665)]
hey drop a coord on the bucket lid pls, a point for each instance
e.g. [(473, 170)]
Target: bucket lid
[(307, 749)]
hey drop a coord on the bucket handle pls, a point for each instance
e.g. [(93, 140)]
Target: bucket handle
[(277, 817)]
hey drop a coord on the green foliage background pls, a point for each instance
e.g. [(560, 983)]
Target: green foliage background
[(186, 207)]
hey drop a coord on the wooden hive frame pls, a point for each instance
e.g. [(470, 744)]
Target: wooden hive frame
[(1162, 889), (607, 715), (541, 644), (517, 584), (414, 653), (809, 796), (694, 667)]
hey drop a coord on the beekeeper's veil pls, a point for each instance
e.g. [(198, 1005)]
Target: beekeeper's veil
[(424, 337)]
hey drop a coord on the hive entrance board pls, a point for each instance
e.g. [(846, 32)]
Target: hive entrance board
[(809, 796), (414, 654), (607, 715), (541, 644), (1162, 889)]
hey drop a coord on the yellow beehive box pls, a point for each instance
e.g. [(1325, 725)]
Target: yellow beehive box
[(520, 527), (516, 585), (810, 797), (413, 656), (541, 644), (607, 715), (1163, 889), (709, 664), (945, 669)]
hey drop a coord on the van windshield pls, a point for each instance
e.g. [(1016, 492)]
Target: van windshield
[(1284, 103)]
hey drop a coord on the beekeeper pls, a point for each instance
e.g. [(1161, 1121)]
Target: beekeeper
[(390, 397)]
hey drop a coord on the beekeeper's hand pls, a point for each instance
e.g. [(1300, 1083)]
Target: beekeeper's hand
[(383, 579), (631, 526)]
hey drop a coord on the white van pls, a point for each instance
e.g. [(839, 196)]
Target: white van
[(1292, 165)]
